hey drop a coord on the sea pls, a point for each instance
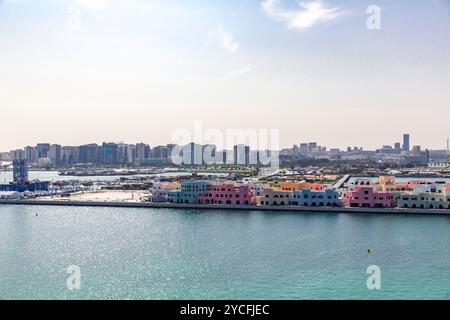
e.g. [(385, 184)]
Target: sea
[(123, 253)]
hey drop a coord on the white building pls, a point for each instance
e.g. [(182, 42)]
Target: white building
[(10, 195)]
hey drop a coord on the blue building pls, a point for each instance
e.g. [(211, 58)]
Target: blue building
[(20, 180), (309, 198), (28, 186), (20, 171), (189, 193), (109, 153)]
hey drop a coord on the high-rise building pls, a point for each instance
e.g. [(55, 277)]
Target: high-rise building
[(89, 153), (193, 154), (406, 146), (42, 150), (18, 154), (20, 171), (54, 154), (69, 155), (447, 151), (124, 153), (241, 154), (109, 153), (142, 152), (30, 154)]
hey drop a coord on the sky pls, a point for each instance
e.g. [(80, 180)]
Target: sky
[(81, 71)]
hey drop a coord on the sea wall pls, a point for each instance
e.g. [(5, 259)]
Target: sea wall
[(399, 211)]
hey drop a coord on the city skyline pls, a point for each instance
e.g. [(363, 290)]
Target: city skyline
[(97, 70), (399, 143)]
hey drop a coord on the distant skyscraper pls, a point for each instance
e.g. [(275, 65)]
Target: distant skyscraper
[(42, 150), (241, 154), (30, 154), (54, 153), (109, 153), (448, 146), (406, 142), (142, 152), (20, 171)]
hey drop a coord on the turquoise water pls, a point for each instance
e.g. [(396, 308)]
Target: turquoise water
[(189, 254)]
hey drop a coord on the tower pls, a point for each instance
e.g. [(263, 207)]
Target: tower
[(20, 171), (406, 146), (447, 152)]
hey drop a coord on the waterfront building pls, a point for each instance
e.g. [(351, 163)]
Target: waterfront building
[(10, 195), (294, 185), (310, 198), (160, 190), (20, 171), (388, 184), (275, 197), (318, 186), (350, 186), (227, 193), (362, 182), (257, 188), (430, 196), (189, 193), (368, 197)]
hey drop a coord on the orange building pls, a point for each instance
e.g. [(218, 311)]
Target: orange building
[(294, 185)]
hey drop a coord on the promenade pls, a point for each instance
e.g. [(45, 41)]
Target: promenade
[(397, 211)]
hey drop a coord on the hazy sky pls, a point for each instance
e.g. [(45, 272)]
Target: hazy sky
[(80, 71)]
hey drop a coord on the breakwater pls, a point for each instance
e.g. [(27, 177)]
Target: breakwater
[(397, 211)]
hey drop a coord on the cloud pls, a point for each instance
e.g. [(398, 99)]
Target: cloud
[(224, 39), (96, 5), (238, 72), (308, 15)]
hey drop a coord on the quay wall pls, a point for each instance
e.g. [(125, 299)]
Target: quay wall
[(399, 211)]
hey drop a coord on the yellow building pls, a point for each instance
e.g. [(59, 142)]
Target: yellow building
[(275, 197)]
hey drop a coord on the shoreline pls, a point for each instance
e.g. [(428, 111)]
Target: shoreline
[(150, 205)]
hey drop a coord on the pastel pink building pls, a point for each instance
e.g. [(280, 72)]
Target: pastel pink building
[(318, 186), (227, 194), (367, 197), (412, 184)]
